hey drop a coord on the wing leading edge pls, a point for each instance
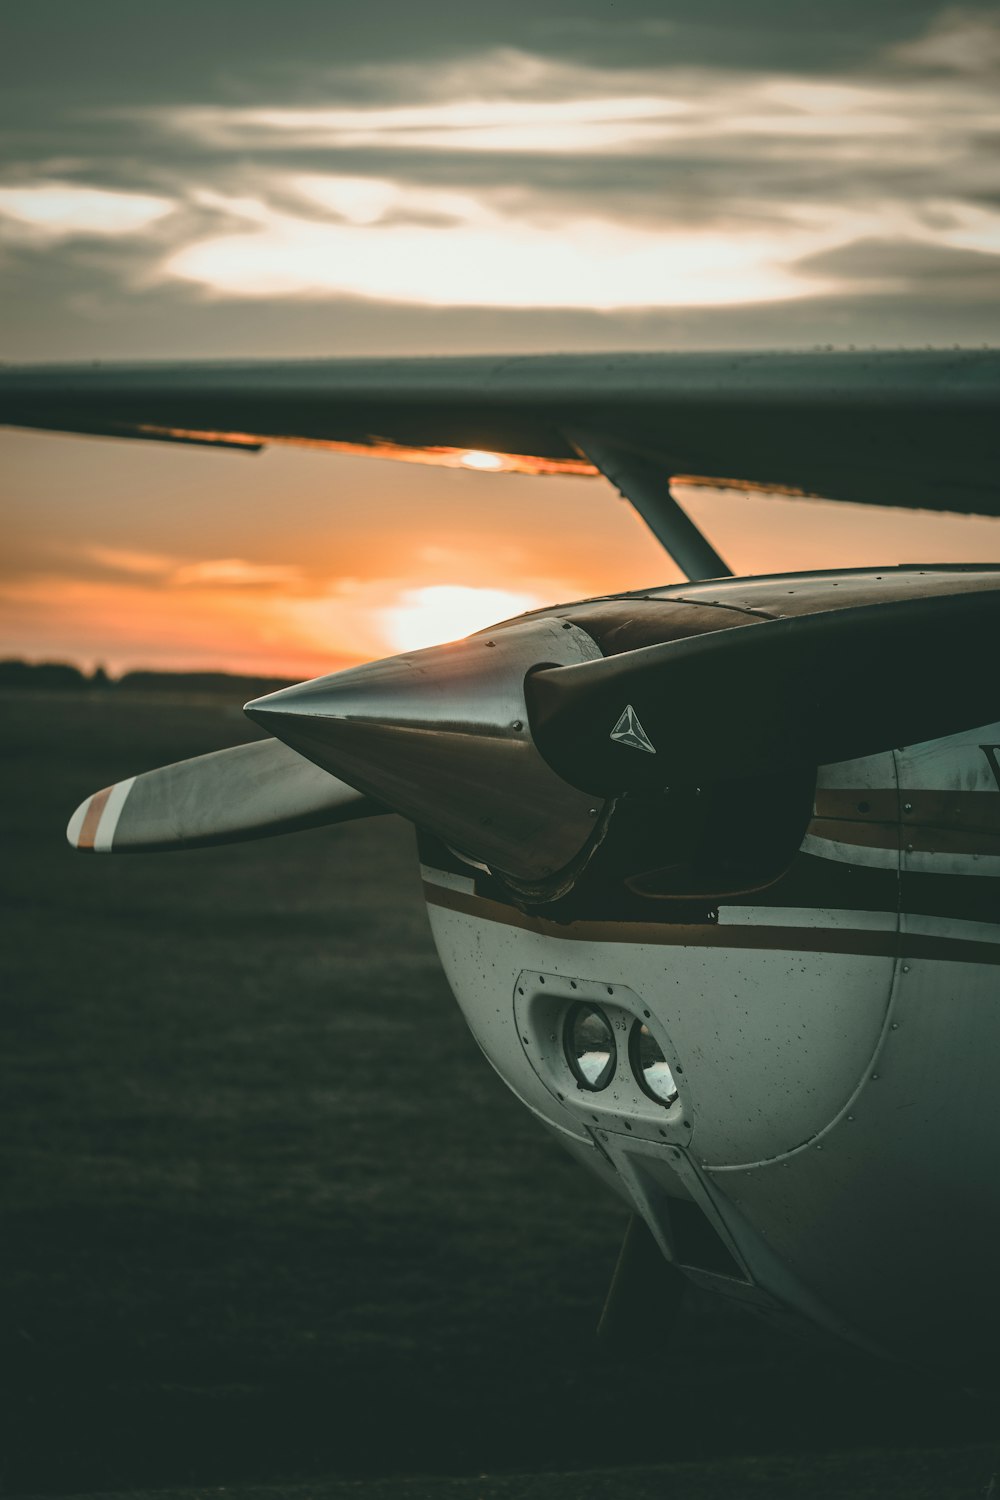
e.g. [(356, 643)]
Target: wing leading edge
[(912, 428)]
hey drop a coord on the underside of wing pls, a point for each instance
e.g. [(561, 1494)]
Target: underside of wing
[(912, 428)]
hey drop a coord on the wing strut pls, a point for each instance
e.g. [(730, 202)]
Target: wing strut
[(645, 1296), (645, 486)]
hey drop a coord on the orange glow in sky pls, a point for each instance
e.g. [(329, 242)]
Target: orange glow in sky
[(295, 562), (299, 562)]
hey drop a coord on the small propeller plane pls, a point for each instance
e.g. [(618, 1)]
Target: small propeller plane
[(713, 869)]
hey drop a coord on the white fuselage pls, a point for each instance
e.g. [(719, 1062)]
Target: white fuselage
[(835, 1041)]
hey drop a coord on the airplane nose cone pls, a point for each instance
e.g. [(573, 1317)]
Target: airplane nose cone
[(442, 736)]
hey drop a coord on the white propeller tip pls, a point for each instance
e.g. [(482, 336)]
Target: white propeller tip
[(93, 824)]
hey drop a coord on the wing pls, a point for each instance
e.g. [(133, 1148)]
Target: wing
[(918, 428)]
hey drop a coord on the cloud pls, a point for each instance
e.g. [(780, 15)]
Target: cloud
[(586, 124), (126, 560), (503, 103), (515, 179), (57, 58), (236, 572), (400, 243), (57, 209), (210, 573), (949, 276), (483, 256), (130, 624), (960, 40), (690, 187)]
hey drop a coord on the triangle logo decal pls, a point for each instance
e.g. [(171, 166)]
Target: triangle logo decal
[(628, 731)]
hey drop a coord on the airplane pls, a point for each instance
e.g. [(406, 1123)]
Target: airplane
[(713, 869)]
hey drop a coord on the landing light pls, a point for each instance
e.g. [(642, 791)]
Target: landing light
[(650, 1066), (589, 1044)]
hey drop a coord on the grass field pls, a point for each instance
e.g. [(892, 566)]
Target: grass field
[(270, 1220)]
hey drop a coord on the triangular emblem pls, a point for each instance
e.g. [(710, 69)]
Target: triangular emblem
[(628, 731)]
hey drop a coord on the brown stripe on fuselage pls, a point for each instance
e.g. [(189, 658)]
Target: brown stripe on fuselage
[(858, 941), (975, 815), (972, 810), (927, 838), (875, 805), (975, 811), (92, 818)]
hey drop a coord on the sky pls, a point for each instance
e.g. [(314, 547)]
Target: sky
[(315, 177)]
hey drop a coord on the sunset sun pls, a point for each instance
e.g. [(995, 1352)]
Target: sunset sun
[(446, 612)]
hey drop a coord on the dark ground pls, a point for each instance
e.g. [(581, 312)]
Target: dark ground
[(273, 1224)]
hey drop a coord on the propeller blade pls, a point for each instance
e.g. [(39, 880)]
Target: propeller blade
[(805, 690), (251, 791), (442, 737)]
